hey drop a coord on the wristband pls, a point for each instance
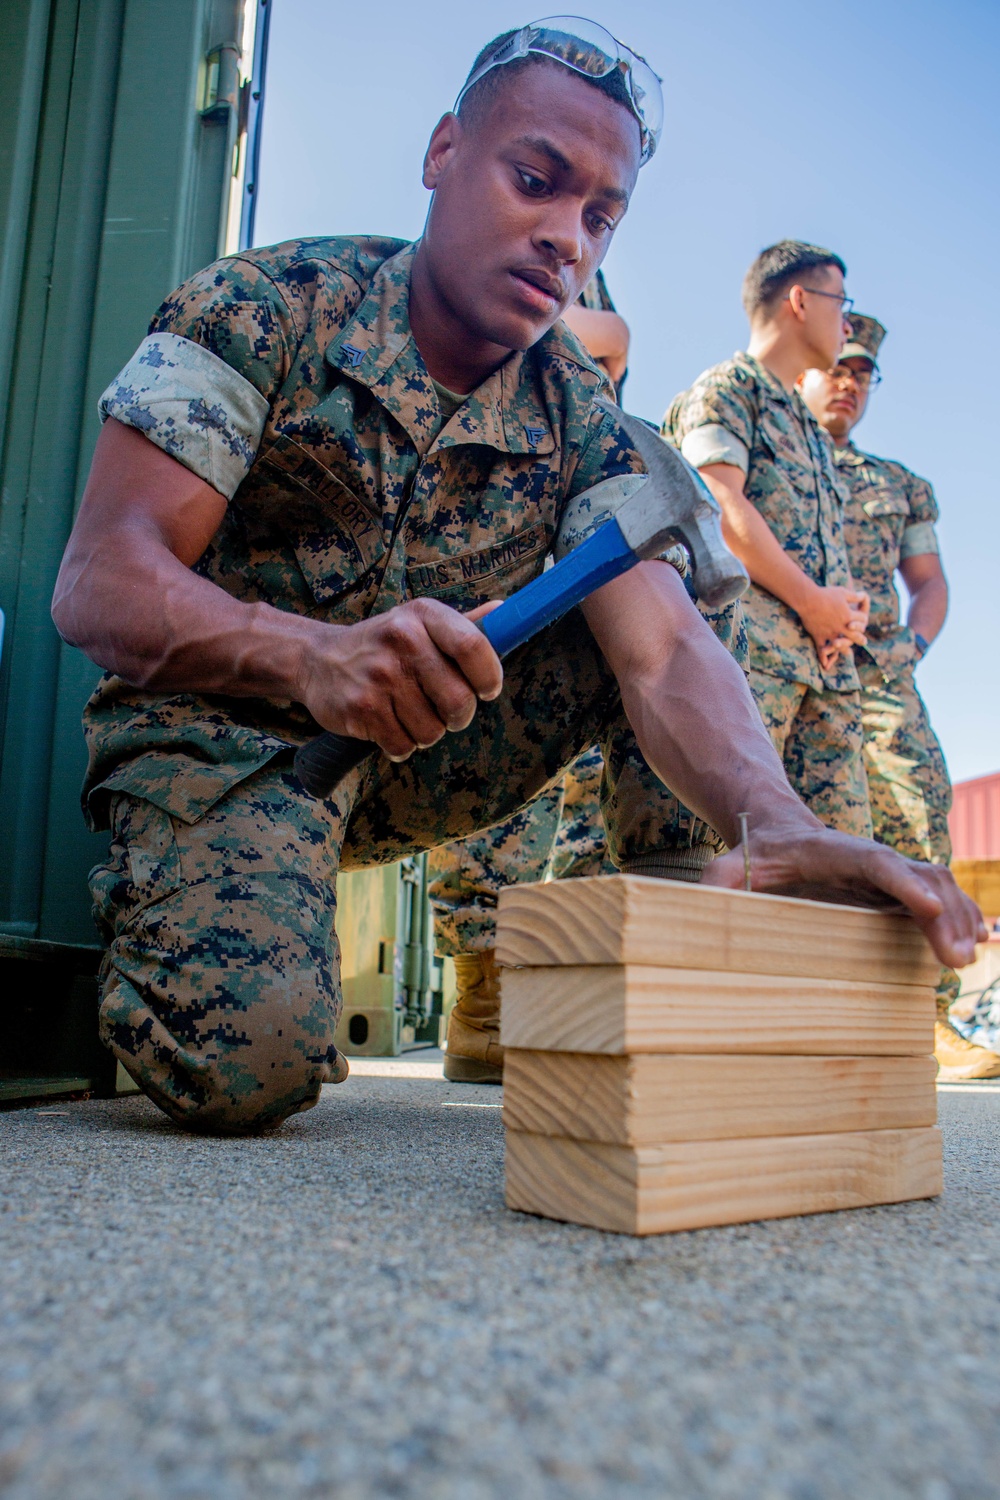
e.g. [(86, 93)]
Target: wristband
[(922, 645)]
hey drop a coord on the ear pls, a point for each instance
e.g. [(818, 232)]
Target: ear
[(443, 143), (796, 301)]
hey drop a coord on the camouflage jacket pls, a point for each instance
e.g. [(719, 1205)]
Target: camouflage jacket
[(289, 379), (889, 516), (737, 413), (595, 295)]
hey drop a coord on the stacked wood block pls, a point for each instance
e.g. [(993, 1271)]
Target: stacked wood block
[(679, 1056)]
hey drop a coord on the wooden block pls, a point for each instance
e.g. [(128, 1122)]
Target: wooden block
[(617, 1008), (650, 1099), (633, 919), (695, 1184)]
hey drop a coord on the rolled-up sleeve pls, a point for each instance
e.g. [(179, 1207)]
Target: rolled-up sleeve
[(609, 471), (193, 405), (200, 385), (919, 536), (713, 444), (714, 421), (918, 539)]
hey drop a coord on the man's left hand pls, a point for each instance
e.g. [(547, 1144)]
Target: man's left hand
[(827, 866)]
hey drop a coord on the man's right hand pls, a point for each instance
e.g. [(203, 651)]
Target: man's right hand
[(128, 595), (401, 679)]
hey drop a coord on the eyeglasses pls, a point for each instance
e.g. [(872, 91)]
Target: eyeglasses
[(588, 49), (846, 303), (865, 380)]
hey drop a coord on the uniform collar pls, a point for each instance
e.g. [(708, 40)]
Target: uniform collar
[(849, 455), (376, 349), (776, 390), (763, 376)]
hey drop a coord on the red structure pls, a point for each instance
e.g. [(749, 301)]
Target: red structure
[(975, 818)]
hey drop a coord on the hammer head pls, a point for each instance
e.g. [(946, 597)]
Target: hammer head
[(675, 505)]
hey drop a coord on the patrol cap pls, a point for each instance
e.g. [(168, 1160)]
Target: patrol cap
[(865, 338)]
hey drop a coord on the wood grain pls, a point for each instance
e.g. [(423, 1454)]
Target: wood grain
[(638, 1008), (695, 1184), (634, 919), (651, 1099)]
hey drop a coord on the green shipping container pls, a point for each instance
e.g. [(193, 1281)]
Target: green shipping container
[(129, 142)]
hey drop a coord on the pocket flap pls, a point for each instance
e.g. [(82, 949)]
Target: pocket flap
[(337, 537)]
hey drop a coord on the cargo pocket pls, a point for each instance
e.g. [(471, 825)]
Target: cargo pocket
[(143, 864), (147, 835)]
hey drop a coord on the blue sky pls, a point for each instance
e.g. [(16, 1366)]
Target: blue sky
[(868, 127)]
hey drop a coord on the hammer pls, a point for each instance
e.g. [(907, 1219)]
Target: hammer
[(605, 531)]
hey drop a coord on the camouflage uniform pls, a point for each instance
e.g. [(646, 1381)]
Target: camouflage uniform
[(737, 413), (290, 381), (890, 515), (559, 835), (595, 295)]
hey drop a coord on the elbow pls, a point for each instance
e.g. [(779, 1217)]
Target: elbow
[(62, 613), (620, 337)]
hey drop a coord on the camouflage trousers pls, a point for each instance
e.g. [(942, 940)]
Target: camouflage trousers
[(221, 982), (556, 837), (819, 738), (908, 779)]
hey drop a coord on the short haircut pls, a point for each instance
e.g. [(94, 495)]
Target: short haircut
[(478, 99), (781, 266)]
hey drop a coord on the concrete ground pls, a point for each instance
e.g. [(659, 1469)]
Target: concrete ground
[(346, 1308)]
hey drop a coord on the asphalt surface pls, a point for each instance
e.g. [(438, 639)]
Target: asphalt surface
[(346, 1308)]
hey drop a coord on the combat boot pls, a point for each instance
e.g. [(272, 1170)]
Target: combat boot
[(959, 1060), (474, 1052)]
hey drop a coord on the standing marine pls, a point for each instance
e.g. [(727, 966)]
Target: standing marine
[(889, 527), (744, 426)]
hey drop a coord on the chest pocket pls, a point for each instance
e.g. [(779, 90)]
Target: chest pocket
[(788, 450), (782, 485), (878, 505), (336, 537)]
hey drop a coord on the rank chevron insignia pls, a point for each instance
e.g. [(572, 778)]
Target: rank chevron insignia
[(353, 354), (534, 435)]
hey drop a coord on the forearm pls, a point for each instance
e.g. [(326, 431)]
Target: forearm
[(690, 706), (139, 612), (127, 596), (698, 727), (748, 535), (603, 333), (928, 608)]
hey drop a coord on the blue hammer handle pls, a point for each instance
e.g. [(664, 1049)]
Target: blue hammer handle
[(324, 762)]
